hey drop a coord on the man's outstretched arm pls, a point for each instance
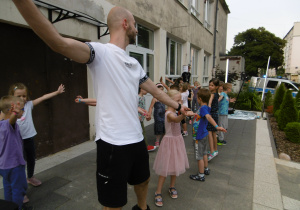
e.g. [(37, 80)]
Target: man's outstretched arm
[(70, 48)]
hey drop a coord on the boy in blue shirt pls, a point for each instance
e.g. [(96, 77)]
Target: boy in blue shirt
[(223, 111), (200, 134)]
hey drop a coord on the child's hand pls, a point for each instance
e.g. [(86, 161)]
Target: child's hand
[(15, 108), (77, 99), (222, 129), (232, 100), (61, 89), (190, 114), (148, 117)]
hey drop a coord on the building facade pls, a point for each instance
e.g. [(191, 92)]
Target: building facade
[(171, 34), (292, 53)]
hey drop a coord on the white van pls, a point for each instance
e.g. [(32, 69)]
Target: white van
[(257, 84)]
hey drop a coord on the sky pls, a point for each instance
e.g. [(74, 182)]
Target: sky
[(276, 16)]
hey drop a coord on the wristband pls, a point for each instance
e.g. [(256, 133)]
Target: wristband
[(216, 126), (81, 101), (179, 107)]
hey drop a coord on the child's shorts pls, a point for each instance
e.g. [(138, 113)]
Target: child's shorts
[(117, 166), (201, 148)]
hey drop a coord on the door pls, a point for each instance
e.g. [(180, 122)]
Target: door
[(60, 122)]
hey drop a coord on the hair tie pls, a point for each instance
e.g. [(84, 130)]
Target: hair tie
[(16, 88)]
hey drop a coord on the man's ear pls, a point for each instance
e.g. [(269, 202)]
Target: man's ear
[(125, 23)]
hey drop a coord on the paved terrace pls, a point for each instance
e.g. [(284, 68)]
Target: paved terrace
[(245, 175)]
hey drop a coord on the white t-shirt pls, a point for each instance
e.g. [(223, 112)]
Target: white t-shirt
[(116, 78), (184, 98), (25, 123)]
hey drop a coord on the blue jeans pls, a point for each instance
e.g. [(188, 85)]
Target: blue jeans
[(15, 184)]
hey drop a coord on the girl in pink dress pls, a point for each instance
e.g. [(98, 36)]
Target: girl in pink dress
[(171, 158)]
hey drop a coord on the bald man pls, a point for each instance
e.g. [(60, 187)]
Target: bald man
[(122, 156)]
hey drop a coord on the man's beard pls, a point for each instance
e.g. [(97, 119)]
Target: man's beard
[(131, 36)]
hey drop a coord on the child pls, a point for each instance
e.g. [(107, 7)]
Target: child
[(27, 127), (12, 163), (171, 158), (213, 103), (223, 110), (159, 116), (184, 97), (190, 98), (195, 104), (200, 134), (142, 105)]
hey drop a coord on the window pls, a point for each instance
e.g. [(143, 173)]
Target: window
[(272, 84), (290, 86), (142, 50), (207, 8), (195, 8), (194, 64), (145, 37), (174, 51), (205, 70)]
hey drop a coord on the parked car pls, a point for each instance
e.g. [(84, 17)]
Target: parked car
[(257, 84)]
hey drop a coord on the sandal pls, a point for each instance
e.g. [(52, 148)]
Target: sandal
[(158, 200), (173, 192)]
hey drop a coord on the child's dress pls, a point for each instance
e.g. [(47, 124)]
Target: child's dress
[(214, 112), (171, 158), (159, 118)]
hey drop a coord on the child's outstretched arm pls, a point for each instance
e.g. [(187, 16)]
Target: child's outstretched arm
[(14, 110), (212, 121), (151, 106), (172, 118), (60, 90), (164, 84), (220, 98), (170, 80), (211, 99), (87, 101)]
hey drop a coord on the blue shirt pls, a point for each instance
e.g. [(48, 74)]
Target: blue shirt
[(224, 104), (200, 123)]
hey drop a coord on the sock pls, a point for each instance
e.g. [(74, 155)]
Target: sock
[(201, 175), (205, 168)]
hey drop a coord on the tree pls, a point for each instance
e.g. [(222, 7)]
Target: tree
[(288, 112), (232, 76), (256, 45), (278, 97)]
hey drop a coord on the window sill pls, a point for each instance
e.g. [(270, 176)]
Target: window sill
[(197, 19), (182, 5)]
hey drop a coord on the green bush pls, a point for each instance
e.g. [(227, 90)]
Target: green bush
[(279, 93), (292, 132), (276, 114), (288, 111), (268, 99), (297, 101), (249, 101)]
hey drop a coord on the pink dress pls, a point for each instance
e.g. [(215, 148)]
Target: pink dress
[(171, 158)]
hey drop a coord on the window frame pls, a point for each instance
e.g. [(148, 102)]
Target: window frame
[(205, 77), (178, 70)]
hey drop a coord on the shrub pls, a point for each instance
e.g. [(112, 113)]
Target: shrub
[(249, 101), (276, 114), (297, 101), (288, 111), (292, 132), (279, 93), (268, 99)]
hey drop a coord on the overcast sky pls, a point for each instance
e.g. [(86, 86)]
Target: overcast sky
[(276, 16)]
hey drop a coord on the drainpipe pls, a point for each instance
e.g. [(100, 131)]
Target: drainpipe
[(215, 36)]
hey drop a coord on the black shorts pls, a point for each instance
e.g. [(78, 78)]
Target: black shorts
[(117, 166)]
